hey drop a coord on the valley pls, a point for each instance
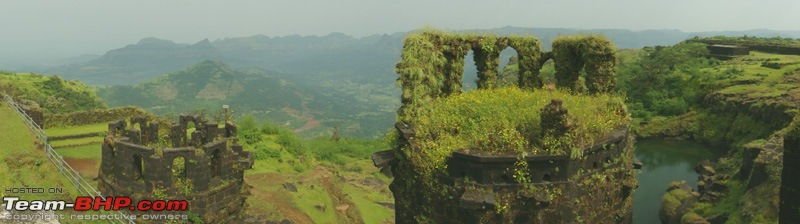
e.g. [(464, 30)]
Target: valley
[(287, 111)]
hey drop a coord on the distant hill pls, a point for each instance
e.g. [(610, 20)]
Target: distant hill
[(210, 84), (351, 79), (135, 63), (53, 94), (366, 60)]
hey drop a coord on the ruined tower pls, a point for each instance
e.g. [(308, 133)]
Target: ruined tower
[(206, 170), (454, 164)]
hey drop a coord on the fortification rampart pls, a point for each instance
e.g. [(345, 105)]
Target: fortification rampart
[(596, 188), (551, 181), (440, 56), (207, 169)]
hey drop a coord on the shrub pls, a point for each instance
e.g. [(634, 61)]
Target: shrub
[(290, 142), (263, 151)]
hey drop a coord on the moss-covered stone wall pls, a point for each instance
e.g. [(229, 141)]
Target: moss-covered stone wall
[(432, 64), (790, 181), (206, 170), (598, 187), (478, 160)]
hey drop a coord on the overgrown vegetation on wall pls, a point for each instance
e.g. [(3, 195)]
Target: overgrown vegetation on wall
[(432, 63), (506, 121)]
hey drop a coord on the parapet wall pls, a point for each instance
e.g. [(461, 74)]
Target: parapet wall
[(596, 188), (206, 169), (542, 169), (566, 184)]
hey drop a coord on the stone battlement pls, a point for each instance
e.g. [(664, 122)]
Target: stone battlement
[(521, 174), (206, 169)]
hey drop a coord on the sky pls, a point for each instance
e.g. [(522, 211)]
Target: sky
[(69, 28)]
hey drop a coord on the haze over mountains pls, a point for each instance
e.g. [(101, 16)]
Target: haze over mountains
[(307, 82), (332, 53)]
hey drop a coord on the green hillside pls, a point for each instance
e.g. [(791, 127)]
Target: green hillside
[(211, 84), (742, 104), (52, 93)]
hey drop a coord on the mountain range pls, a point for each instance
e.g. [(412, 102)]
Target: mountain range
[(340, 79)]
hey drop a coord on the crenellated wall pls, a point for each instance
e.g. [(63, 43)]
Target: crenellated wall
[(432, 64), (596, 188), (207, 169), (592, 184)]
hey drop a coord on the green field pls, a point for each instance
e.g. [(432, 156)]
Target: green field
[(73, 130), (81, 148), (82, 152), (76, 142)]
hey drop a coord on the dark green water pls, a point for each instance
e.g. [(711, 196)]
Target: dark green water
[(665, 161)]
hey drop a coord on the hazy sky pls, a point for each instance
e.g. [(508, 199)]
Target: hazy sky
[(94, 26)]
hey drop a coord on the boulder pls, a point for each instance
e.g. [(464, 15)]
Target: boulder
[(693, 218), (321, 207), (705, 168), (676, 202), (290, 187), (718, 219)]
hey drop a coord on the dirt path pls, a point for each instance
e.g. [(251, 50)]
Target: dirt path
[(346, 209), (282, 202)]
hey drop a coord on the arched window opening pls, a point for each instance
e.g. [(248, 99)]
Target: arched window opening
[(508, 70), (138, 166), (548, 73), (469, 77), (216, 163), (178, 169)]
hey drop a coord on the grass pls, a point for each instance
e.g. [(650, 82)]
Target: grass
[(371, 212), (512, 115), (93, 151), (306, 198), (76, 141), (764, 86), (22, 164), (73, 130)]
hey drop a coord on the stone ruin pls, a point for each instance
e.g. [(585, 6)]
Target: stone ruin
[(207, 169), (432, 64), (789, 211), (562, 190), (596, 187)]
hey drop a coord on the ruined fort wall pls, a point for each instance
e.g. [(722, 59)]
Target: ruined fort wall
[(210, 177), (596, 188)]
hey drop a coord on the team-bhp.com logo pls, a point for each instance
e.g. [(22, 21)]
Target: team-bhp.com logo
[(84, 203)]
